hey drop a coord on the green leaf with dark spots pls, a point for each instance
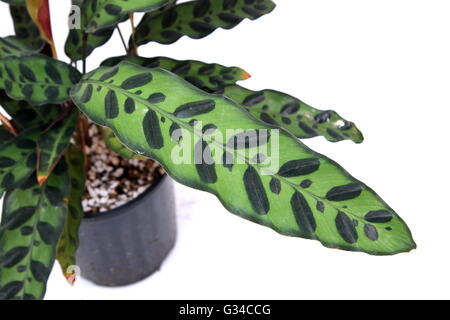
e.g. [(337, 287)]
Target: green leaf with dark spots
[(25, 28), (297, 117), (52, 144), (279, 182), (20, 153), (108, 13), (37, 79), (74, 47), (197, 19), (68, 243), (30, 228), (211, 76), (13, 46), (26, 116)]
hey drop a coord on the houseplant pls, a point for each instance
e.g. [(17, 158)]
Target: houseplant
[(177, 113)]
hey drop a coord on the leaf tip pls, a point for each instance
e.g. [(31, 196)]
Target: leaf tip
[(42, 179), (246, 76), (358, 137), (413, 244)]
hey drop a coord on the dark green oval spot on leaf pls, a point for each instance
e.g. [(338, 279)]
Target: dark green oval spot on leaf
[(17, 218), (255, 191), (379, 216), (254, 99), (13, 256), (111, 105), (275, 186), (39, 271), (204, 162), (299, 167), (192, 109), (371, 232), (152, 130), (290, 108), (345, 192), (303, 214), (129, 105), (137, 81), (346, 228)]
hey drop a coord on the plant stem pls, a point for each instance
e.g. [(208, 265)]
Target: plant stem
[(85, 38), (133, 31), (123, 40), (82, 125), (83, 134), (8, 125)]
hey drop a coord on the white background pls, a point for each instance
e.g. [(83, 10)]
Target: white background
[(384, 64)]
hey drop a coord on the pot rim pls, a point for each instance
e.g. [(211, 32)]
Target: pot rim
[(122, 209)]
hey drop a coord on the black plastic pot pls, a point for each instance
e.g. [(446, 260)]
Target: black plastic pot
[(129, 243)]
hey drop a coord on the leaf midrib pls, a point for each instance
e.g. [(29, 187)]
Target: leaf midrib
[(53, 153)]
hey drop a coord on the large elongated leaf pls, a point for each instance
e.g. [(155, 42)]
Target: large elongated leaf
[(297, 117), (197, 19), (26, 116), (52, 144), (32, 220), (274, 180), (24, 26), (68, 244), (37, 79), (74, 47), (107, 13), (210, 76), (17, 159)]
